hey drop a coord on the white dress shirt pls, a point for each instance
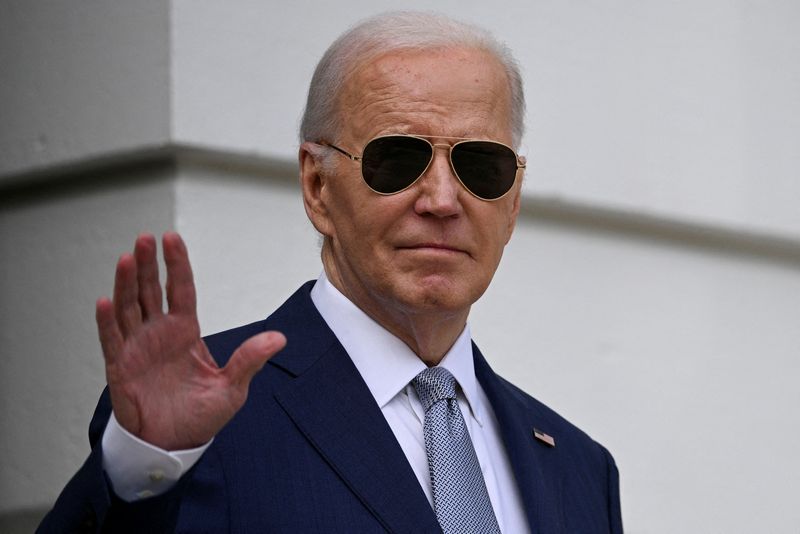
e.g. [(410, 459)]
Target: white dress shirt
[(138, 470), (388, 366)]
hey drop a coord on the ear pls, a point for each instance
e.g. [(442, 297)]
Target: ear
[(313, 182), (515, 206)]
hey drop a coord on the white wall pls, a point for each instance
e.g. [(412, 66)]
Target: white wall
[(81, 80), (688, 109), (681, 360), (685, 109), (676, 352), (250, 241), (59, 245)]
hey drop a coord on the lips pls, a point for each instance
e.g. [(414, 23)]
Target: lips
[(434, 247)]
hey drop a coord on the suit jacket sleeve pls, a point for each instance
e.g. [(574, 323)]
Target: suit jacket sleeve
[(88, 504), (614, 508)]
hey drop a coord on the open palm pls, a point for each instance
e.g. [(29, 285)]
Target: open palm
[(165, 387)]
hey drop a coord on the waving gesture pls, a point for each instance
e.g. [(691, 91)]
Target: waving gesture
[(165, 387)]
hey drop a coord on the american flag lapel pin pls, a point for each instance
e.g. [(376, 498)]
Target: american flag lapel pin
[(544, 438)]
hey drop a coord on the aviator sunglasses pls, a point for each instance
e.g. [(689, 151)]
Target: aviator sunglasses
[(392, 163)]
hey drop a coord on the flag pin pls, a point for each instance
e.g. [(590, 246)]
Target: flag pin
[(544, 438)]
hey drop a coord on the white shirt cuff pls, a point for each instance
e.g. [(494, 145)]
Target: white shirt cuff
[(138, 470)]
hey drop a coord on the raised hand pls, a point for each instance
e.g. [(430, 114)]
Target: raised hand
[(165, 387)]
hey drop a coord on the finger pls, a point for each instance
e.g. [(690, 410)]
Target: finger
[(251, 356), (107, 330), (126, 295), (181, 296), (150, 298)]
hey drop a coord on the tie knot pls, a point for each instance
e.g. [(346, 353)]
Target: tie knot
[(434, 384)]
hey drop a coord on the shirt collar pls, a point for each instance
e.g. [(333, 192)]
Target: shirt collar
[(386, 364)]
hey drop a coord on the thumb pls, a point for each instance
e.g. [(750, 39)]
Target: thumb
[(251, 356)]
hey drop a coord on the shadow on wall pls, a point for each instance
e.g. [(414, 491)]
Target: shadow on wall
[(21, 521)]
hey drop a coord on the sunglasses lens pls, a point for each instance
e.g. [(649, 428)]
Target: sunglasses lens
[(390, 164), (487, 169)]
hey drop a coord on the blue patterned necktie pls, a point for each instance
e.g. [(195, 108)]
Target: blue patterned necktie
[(460, 498)]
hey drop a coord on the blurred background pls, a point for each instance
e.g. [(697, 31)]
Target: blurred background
[(651, 292)]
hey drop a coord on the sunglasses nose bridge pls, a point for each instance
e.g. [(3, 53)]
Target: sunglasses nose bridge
[(447, 148), (439, 183), (442, 146)]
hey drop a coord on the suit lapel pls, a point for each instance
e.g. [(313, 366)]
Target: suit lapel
[(332, 406), (533, 461)]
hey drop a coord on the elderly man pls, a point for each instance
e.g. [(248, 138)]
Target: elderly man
[(375, 411)]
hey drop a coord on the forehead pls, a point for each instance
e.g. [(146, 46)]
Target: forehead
[(459, 92)]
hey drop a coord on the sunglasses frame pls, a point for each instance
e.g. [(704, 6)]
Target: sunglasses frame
[(428, 139)]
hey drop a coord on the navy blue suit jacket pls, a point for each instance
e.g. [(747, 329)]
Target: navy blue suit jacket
[(310, 451)]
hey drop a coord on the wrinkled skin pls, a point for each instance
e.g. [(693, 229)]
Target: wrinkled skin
[(417, 260)]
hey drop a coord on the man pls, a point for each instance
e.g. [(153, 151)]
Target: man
[(407, 171)]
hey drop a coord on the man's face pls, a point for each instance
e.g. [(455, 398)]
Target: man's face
[(433, 248)]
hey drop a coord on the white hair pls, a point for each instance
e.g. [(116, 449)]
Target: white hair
[(401, 30)]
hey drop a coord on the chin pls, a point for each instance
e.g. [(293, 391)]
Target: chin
[(432, 295)]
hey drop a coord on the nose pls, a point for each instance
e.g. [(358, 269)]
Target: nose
[(439, 188)]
